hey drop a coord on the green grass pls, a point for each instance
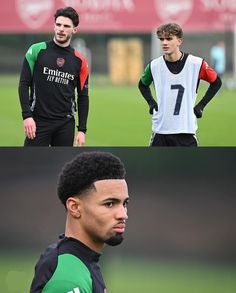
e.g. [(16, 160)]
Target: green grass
[(169, 276), (119, 116), (131, 275), (16, 272)]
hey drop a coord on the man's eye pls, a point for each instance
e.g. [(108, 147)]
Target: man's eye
[(109, 204), (126, 204)]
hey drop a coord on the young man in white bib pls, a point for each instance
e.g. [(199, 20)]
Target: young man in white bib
[(176, 76)]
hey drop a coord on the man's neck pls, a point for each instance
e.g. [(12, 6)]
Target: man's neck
[(174, 56), (72, 230), (63, 45)]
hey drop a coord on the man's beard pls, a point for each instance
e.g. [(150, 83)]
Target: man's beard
[(63, 41), (115, 240)]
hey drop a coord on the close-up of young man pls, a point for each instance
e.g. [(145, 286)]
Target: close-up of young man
[(93, 189)]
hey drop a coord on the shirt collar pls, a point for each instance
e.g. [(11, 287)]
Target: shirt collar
[(79, 249)]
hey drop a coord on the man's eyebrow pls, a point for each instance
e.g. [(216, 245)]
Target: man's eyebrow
[(115, 199), (66, 25)]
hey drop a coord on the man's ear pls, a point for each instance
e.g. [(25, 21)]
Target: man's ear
[(73, 205), (180, 42), (75, 29)]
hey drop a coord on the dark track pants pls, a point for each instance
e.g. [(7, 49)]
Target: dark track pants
[(53, 133)]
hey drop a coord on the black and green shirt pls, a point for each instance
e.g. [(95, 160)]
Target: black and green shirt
[(68, 266), (49, 79)]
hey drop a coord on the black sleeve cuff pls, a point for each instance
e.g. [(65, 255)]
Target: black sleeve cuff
[(26, 115), (84, 130)]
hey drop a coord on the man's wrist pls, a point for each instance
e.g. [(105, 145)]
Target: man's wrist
[(26, 115), (84, 130)]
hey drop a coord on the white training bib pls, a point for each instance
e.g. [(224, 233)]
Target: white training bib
[(176, 95)]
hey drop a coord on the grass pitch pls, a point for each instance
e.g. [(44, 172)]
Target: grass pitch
[(132, 275), (119, 116)]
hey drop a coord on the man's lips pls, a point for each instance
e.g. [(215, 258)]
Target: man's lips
[(120, 228)]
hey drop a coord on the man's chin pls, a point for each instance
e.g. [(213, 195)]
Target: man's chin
[(115, 240), (62, 41)]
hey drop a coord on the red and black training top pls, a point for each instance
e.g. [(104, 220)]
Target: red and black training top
[(49, 79)]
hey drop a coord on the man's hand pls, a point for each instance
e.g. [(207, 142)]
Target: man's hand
[(198, 109), (29, 127), (153, 106), (80, 139)]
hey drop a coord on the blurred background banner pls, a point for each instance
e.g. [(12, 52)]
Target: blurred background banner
[(119, 15)]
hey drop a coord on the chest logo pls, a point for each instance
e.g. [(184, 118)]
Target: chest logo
[(60, 62)]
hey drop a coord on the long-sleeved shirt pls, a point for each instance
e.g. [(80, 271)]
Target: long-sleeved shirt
[(49, 78), (68, 266)]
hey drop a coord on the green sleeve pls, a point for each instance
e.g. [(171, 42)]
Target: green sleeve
[(71, 276), (146, 77), (32, 54)]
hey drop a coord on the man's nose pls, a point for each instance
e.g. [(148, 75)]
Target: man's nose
[(122, 213)]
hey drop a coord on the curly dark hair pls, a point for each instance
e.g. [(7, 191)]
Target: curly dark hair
[(68, 12), (79, 175), (170, 29)]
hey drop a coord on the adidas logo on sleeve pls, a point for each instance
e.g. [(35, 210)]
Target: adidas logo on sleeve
[(75, 290)]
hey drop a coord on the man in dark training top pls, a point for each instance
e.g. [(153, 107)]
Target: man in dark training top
[(52, 72)]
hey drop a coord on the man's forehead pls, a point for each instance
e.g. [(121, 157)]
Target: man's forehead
[(110, 185), (64, 20), (166, 35), (112, 181), (115, 188)]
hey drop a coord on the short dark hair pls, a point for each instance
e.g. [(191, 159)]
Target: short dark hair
[(170, 29), (68, 12), (80, 174)]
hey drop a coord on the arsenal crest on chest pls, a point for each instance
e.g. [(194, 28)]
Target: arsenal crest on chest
[(60, 61)]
